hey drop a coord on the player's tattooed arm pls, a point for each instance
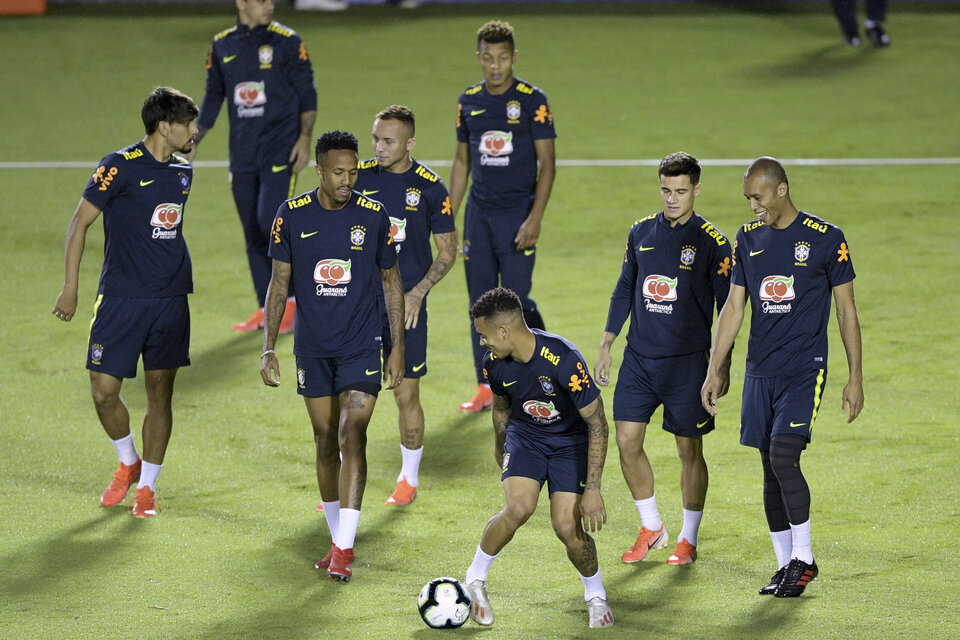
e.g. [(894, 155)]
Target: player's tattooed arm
[(596, 420), (273, 309), (393, 297), (446, 256), (501, 415)]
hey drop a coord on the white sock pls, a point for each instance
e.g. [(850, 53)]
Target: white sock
[(480, 566), (331, 511), (782, 546), (870, 24), (593, 587), (349, 521), (800, 535), (148, 474), (411, 465), (691, 526), (126, 450), (649, 516)]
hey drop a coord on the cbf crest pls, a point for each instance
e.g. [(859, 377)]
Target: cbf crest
[(413, 197), (801, 252), (357, 236), (513, 112), (266, 56), (184, 182), (96, 353), (687, 255), (302, 378), (547, 385)]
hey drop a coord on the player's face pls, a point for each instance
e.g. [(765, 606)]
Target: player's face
[(496, 60), (765, 197), (255, 13), (182, 135), (392, 143), (338, 173), (491, 337), (678, 194)]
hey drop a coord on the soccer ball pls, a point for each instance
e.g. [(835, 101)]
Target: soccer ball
[(443, 603)]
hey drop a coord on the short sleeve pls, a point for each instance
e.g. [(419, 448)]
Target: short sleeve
[(575, 377), (386, 249), (105, 182), (839, 266), (280, 236), (542, 122), (737, 277)]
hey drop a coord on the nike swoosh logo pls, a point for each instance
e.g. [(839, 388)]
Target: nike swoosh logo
[(529, 252), (797, 424), (477, 112), (227, 59), (642, 248), (701, 425), (307, 235), (370, 193), (583, 484), (507, 384), (756, 253), (144, 183), (419, 366), (277, 168), (371, 373)]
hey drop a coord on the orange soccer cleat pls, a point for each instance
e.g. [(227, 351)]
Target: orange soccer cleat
[(685, 553), (483, 400), (341, 565), (323, 564), (123, 477), (252, 323), (144, 504), (645, 541), (404, 494)]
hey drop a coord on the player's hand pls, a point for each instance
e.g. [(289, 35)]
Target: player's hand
[(300, 154), (412, 301), (270, 369), (710, 391), (393, 370), (527, 234), (66, 305), (592, 511), (852, 399), (601, 370), (724, 379)]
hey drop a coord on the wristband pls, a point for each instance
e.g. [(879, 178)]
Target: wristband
[(266, 352)]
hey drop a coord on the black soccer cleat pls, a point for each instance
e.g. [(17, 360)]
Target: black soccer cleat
[(796, 578), (878, 37), (774, 582)]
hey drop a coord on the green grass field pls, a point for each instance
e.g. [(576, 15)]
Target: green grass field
[(231, 555)]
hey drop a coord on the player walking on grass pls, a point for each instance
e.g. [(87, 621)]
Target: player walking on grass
[(504, 132), (787, 262), (263, 70), (141, 305), (420, 206), (676, 269), (337, 246), (548, 425)]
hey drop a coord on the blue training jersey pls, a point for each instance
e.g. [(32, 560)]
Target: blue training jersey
[(419, 205), (788, 274), (267, 79), (500, 130), (143, 202), (547, 392), (671, 280), (335, 258)]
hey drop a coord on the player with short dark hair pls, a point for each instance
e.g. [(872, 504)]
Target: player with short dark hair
[(141, 306), (263, 70), (420, 206), (549, 426), (787, 262), (675, 271), (337, 247), (504, 133)]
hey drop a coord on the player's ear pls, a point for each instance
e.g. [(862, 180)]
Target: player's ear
[(782, 189), (696, 190), (411, 143)]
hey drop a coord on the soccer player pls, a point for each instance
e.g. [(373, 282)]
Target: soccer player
[(548, 425), (141, 306), (337, 246), (263, 70), (787, 262), (504, 131), (676, 269), (418, 200)]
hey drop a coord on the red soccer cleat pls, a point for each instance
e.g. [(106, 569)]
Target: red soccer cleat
[(144, 504), (123, 477), (645, 541), (685, 553), (404, 494), (483, 400), (341, 565), (323, 564), (252, 323)]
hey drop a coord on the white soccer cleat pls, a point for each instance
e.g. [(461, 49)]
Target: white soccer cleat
[(600, 614), (480, 610)]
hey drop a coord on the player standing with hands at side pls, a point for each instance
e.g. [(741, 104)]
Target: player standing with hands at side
[(788, 263), (141, 305)]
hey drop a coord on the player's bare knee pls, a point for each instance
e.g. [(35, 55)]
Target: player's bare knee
[(690, 451), (569, 531), (516, 513), (352, 440)]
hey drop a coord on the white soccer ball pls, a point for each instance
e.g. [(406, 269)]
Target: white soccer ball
[(444, 604)]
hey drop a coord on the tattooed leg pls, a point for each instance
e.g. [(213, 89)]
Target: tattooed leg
[(565, 518), (356, 408)]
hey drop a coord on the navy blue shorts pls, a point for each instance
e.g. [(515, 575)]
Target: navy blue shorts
[(778, 406), (643, 384), (318, 377), (123, 329), (564, 468), (414, 346)]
